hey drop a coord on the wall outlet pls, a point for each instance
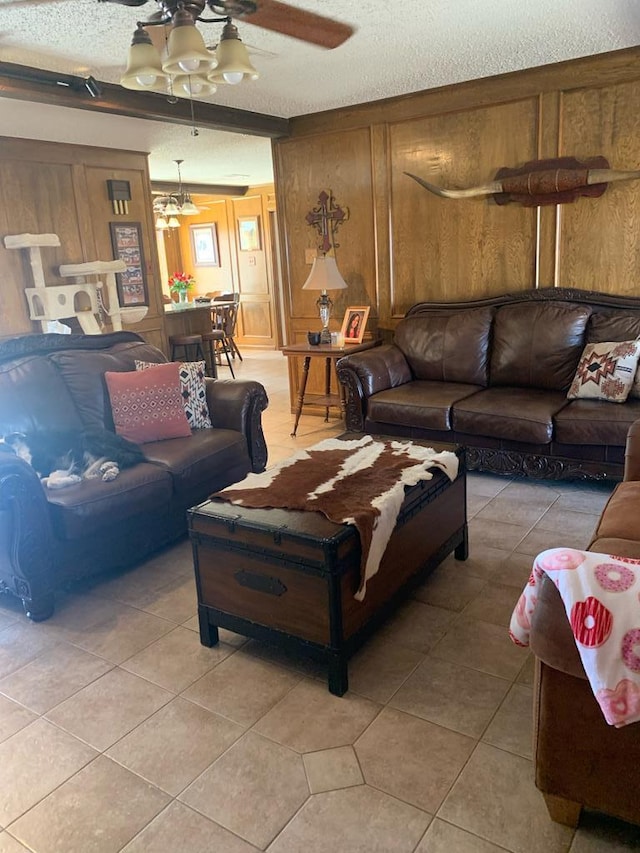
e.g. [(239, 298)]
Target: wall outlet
[(309, 256)]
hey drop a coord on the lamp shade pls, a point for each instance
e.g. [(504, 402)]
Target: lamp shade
[(324, 275), (173, 222), (161, 223)]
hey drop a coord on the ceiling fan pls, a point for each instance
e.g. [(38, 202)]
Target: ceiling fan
[(268, 14)]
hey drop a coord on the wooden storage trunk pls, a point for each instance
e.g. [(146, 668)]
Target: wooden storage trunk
[(289, 577)]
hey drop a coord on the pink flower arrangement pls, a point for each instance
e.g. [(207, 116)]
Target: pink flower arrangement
[(180, 282)]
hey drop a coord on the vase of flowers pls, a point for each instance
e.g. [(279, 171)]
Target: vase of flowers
[(181, 283)]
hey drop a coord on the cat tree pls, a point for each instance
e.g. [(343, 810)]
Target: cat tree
[(83, 299)]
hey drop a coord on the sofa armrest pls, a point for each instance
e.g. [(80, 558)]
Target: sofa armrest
[(238, 404), (26, 537), (365, 373), (632, 453)]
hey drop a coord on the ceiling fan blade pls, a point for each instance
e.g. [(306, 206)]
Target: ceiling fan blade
[(306, 26), (125, 2)]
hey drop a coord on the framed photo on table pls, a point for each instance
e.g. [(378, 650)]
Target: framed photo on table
[(354, 323), (204, 242), (126, 240)]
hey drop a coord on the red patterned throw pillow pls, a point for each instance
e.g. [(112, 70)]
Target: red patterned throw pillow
[(605, 371), (192, 389), (147, 406)]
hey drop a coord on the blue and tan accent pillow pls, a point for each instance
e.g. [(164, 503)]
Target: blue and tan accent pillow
[(192, 390), (605, 371)]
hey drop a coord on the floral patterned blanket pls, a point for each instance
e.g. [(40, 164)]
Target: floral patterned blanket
[(601, 596)]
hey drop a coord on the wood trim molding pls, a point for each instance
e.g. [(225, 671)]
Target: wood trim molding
[(33, 84)]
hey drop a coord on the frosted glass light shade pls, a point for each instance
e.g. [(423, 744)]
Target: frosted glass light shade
[(173, 222), (188, 207), (171, 208), (161, 223), (187, 53), (234, 65), (144, 69), (324, 275), (192, 86)]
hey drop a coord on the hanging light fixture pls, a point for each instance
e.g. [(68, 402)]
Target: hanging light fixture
[(176, 204), (189, 68)]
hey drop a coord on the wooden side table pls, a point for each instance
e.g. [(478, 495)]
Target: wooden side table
[(331, 355)]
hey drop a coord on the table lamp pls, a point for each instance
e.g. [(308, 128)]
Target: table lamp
[(324, 276)]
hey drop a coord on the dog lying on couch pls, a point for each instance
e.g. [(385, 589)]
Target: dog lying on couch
[(63, 458)]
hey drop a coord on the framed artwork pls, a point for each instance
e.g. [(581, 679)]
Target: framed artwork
[(354, 323), (126, 240), (249, 233), (204, 243)]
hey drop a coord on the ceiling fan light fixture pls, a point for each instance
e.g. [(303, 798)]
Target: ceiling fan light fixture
[(187, 52), (234, 65), (144, 68)]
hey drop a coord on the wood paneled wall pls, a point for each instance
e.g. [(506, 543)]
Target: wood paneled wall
[(61, 189), (402, 244)]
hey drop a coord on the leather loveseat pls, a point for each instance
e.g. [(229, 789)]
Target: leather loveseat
[(493, 375), (56, 382), (580, 760)]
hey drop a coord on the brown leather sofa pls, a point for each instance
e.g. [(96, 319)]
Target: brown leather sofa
[(493, 375), (47, 537), (579, 759)]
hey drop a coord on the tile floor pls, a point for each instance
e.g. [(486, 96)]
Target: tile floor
[(119, 731)]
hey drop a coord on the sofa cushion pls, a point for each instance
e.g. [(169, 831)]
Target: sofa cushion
[(447, 346), (595, 422), (605, 371), (33, 396), (205, 462), (147, 405), (613, 326), (537, 344), (426, 405), (83, 372), (192, 389), (514, 414), (94, 505)]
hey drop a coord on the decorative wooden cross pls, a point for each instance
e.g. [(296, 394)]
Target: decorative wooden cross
[(326, 218)]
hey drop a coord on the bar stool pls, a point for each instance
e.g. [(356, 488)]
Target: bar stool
[(211, 340), (183, 342)]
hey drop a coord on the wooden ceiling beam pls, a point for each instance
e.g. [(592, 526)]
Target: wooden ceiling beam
[(169, 187), (65, 90)]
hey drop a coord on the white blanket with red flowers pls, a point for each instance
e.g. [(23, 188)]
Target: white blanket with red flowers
[(601, 595)]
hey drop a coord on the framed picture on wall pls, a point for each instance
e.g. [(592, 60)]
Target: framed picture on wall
[(204, 244), (354, 323), (249, 234), (126, 240)]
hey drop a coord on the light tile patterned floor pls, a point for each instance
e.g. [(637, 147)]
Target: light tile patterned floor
[(119, 731)]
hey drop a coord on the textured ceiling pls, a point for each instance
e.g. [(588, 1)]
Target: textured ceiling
[(398, 47)]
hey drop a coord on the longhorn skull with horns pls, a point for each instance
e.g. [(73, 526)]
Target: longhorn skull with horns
[(542, 182)]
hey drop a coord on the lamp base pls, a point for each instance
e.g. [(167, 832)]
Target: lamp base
[(325, 336)]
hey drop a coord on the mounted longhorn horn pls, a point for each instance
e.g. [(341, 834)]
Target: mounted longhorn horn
[(542, 182)]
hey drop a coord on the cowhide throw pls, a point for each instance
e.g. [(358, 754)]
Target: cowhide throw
[(358, 481)]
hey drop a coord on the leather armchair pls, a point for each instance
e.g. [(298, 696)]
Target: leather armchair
[(579, 759)]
